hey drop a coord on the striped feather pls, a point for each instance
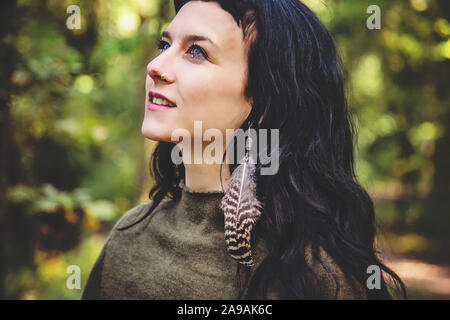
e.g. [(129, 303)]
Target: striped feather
[(242, 211)]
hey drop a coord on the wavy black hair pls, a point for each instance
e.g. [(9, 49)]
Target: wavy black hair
[(296, 82)]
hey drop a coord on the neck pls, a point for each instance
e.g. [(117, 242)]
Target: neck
[(203, 176), (206, 177)]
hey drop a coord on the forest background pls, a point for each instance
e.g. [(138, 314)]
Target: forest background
[(73, 160)]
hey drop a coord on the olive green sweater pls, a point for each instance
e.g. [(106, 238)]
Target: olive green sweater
[(178, 252)]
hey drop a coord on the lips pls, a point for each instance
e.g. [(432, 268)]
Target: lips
[(153, 94)]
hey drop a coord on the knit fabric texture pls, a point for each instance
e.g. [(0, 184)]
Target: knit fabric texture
[(179, 252)]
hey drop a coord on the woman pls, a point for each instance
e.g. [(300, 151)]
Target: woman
[(267, 64)]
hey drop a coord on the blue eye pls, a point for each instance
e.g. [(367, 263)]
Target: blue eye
[(162, 43), (202, 52)]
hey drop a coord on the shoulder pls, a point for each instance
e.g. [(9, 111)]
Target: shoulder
[(139, 213), (112, 247), (333, 282), (133, 215)]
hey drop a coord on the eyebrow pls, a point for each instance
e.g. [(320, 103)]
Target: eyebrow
[(189, 38)]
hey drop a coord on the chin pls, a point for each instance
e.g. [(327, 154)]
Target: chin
[(153, 132)]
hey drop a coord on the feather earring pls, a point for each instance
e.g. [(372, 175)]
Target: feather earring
[(242, 210)]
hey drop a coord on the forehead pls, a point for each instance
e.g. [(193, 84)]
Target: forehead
[(207, 19)]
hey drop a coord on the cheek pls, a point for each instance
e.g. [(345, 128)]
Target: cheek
[(215, 98)]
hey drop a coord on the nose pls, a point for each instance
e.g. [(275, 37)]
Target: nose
[(157, 73)]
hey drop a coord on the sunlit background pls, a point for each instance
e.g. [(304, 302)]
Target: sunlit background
[(73, 160)]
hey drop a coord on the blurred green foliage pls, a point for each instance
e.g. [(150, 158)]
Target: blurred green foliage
[(73, 158)]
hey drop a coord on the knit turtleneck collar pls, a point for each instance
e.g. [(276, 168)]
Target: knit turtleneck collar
[(200, 206), (185, 188)]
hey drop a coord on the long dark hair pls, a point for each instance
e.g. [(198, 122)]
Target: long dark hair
[(296, 83)]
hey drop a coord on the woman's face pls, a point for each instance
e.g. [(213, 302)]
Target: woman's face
[(210, 89)]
